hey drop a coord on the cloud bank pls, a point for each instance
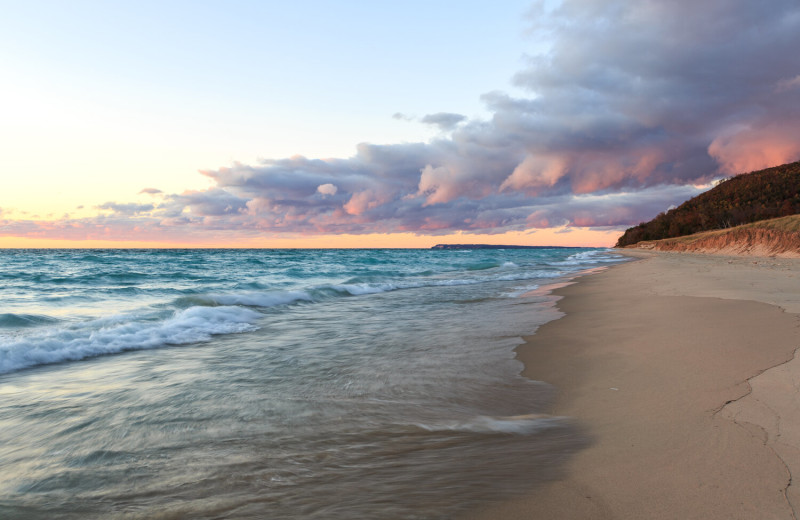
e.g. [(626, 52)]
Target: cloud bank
[(633, 108)]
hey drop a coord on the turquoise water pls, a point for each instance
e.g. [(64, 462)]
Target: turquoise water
[(274, 383)]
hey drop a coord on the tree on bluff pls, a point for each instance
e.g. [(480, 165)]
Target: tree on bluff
[(760, 195)]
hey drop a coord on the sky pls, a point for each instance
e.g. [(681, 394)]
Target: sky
[(381, 124)]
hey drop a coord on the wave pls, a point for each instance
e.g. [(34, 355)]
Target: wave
[(519, 291), (120, 333), (590, 258), (92, 278), (362, 288), (512, 424), (261, 299), (324, 292), (191, 307), (481, 266), (529, 275), (11, 320)]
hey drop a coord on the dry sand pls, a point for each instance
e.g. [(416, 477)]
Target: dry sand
[(656, 359)]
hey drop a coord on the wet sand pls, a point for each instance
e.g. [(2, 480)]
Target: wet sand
[(681, 367)]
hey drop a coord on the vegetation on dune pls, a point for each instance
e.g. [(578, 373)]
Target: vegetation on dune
[(783, 225), (778, 237), (747, 198), (790, 224)]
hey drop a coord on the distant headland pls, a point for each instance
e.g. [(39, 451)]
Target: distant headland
[(491, 246)]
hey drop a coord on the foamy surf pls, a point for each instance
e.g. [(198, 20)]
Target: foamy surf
[(260, 299), (514, 424), (114, 334), (33, 338), (585, 258)]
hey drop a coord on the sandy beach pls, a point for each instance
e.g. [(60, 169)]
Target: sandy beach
[(681, 368)]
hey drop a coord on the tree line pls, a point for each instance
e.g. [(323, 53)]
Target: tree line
[(750, 197)]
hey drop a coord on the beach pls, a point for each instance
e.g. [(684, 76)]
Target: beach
[(682, 370)]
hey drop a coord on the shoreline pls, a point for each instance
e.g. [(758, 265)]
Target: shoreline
[(682, 369)]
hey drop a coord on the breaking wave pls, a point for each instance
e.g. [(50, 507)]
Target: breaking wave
[(121, 333)]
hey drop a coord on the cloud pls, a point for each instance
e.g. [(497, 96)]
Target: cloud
[(785, 85), (327, 189), (631, 106), (150, 191), (636, 93), (534, 173), (128, 209), (213, 202), (444, 120), (752, 147)]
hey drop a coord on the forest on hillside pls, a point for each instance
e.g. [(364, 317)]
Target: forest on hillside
[(760, 195)]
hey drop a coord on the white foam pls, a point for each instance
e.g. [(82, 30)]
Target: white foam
[(590, 257), (514, 424), (519, 291), (454, 281), (362, 288), (274, 298), (261, 299), (530, 275), (121, 333)]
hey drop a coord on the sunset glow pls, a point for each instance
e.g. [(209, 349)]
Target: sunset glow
[(551, 236)]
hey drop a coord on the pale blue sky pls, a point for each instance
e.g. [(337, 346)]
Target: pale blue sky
[(103, 98)]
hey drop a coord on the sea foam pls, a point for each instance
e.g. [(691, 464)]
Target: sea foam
[(120, 333), (514, 424), (261, 299), (69, 306)]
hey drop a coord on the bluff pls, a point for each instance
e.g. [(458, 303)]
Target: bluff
[(775, 237), (747, 198)]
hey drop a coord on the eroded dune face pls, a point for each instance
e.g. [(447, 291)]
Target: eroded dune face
[(748, 241)]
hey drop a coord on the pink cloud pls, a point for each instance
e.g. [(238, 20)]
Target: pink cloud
[(536, 172), (439, 185), (365, 200), (755, 148)]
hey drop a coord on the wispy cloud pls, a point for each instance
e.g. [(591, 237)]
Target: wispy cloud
[(632, 105)]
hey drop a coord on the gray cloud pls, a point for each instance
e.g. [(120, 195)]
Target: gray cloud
[(444, 120), (127, 209)]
